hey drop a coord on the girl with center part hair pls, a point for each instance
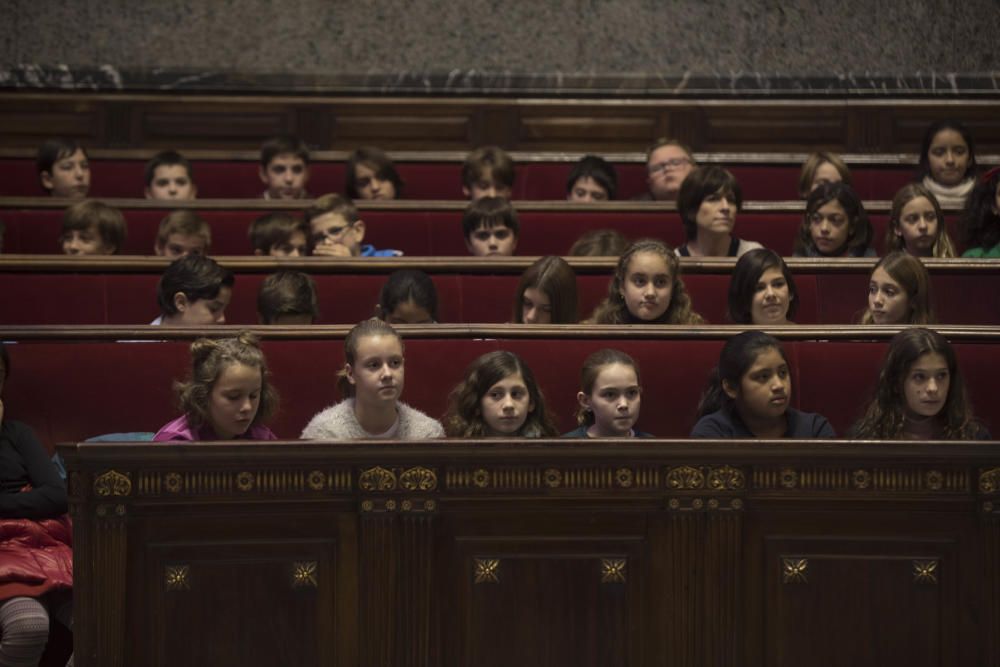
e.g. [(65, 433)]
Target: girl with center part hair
[(228, 395), (762, 290), (948, 162), (546, 294), (610, 396), (498, 398), (408, 297), (899, 292), (820, 168), (835, 224), (749, 394), (372, 383), (371, 174), (709, 200), (980, 222), (920, 393), (916, 224), (646, 289)]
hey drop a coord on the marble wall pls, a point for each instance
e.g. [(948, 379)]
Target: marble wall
[(575, 38)]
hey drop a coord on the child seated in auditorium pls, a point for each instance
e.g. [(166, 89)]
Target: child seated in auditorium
[(64, 168), (820, 168), (668, 163), (491, 227), (916, 224), (169, 176), (181, 233), (287, 297), (646, 289), (592, 179), (228, 396), (337, 230), (194, 291), (899, 292), (488, 172), (762, 290), (497, 398), (920, 394), (284, 168), (948, 163), (92, 228), (279, 234), (599, 243), (980, 222), (408, 297), (835, 224), (371, 384), (372, 175), (610, 396), (749, 394), (709, 200), (546, 294)]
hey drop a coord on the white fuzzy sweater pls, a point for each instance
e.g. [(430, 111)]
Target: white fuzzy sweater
[(338, 422)]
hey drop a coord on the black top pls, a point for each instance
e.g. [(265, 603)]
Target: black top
[(581, 432), (24, 461), (801, 425), (734, 247)]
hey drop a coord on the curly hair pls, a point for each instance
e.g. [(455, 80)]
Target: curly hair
[(980, 222), (613, 310), (209, 358), (860, 232), (464, 418)]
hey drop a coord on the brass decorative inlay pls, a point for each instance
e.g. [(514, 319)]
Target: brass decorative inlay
[(245, 481), (624, 478), (177, 577), (377, 479), (113, 483), (861, 479), (726, 478), (612, 570), (105, 511), (429, 505), (789, 478), (713, 504), (390, 505), (481, 478), (304, 574), (418, 479), (989, 480), (316, 480), (552, 477), (367, 506), (935, 480), (794, 570), (173, 482), (406, 505), (925, 571), (685, 477), (487, 570)]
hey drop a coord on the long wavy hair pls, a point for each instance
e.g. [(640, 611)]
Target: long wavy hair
[(912, 276), (860, 233), (980, 222), (553, 276), (943, 245)]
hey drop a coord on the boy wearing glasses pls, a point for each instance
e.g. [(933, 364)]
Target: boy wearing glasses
[(336, 229), (668, 163)]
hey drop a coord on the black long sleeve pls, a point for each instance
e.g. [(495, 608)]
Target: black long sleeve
[(23, 461)]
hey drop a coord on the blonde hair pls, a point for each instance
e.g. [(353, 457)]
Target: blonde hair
[(943, 246), (369, 327), (812, 165)]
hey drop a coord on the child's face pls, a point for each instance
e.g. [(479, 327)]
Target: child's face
[(486, 186), (296, 246), (506, 405), (378, 372), (648, 286), (409, 312), (85, 242), (948, 157), (333, 235), (536, 307), (285, 177), (586, 189), (887, 300), (717, 213), (771, 298), (615, 401), (918, 227), (203, 312), (825, 173), (171, 181), (667, 168), (926, 385), (370, 186), (497, 240), (70, 176), (830, 229), (765, 389), (233, 402), (181, 245)]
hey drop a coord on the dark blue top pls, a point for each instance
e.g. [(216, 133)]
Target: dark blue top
[(801, 425), (24, 462), (581, 432)]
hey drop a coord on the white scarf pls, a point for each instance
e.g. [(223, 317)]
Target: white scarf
[(950, 197)]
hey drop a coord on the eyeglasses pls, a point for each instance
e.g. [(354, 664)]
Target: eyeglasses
[(332, 233), (673, 163)]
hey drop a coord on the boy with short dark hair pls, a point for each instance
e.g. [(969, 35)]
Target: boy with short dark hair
[(92, 228), (182, 232), (287, 297), (488, 172), (169, 176), (592, 179), (194, 291), (284, 168), (491, 227), (63, 168), (336, 229), (279, 234)]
